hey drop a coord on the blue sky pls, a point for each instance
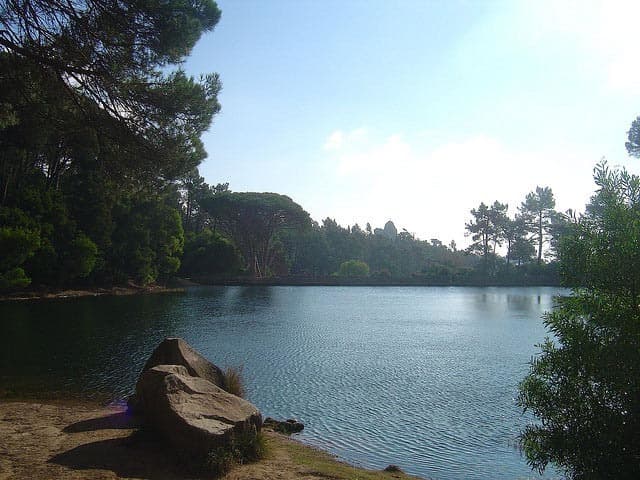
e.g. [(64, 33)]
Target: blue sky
[(416, 111)]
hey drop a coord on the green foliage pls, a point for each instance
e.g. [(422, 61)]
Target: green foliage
[(585, 384), (209, 253), (148, 240), (521, 250), (43, 241), (17, 244), (353, 268), (439, 274), (81, 257), (13, 278)]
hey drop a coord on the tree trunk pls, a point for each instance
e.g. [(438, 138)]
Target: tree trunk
[(539, 238)]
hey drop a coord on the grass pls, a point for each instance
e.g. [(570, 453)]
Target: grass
[(233, 381), (317, 463)]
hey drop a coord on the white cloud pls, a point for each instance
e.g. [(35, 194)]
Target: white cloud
[(386, 158), (430, 191), (338, 138)]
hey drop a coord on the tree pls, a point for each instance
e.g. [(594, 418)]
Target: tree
[(538, 212), (487, 231), (307, 251), (585, 384), (519, 247), (500, 221), (115, 54), (104, 71), (97, 119), (253, 221), (561, 226), (480, 229), (521, 251), (633, 143)]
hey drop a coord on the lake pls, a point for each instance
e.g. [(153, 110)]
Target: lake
[(421, 377)]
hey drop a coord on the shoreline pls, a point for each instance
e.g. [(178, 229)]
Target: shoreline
[(183, 284), (331, 281), (50, 294), (75, 439)]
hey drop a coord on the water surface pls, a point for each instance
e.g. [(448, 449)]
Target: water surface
[(422, 377)]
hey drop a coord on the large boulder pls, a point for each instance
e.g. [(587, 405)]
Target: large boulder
[(175, 351), (199, 419)]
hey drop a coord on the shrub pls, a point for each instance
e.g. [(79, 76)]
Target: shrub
[(249, 446), (353, 268)]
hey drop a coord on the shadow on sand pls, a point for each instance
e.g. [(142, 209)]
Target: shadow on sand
[(139, 455), (120, 420)]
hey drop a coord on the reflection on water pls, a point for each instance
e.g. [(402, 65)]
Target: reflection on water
[(421, 377)]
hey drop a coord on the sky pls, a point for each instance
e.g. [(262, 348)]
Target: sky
[(416, 111)]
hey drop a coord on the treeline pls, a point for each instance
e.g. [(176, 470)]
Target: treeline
[(265, 235), (274, 236)]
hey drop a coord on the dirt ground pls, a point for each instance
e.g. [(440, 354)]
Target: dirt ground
[(74, 440)]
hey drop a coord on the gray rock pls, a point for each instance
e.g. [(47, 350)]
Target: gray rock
[(393, 468), (175, 351), (287, 427), (193, 415)]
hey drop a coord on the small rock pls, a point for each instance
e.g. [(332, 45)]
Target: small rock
[(393, 468), (287, 427)]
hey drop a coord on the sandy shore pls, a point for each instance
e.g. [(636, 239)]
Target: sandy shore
[(75, 440)]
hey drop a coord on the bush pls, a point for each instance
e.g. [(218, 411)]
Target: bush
[(353, 268), (249, 446), (81, 258), (14, 278), (16, 246)]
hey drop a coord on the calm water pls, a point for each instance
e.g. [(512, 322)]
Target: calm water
[(420, 377)]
